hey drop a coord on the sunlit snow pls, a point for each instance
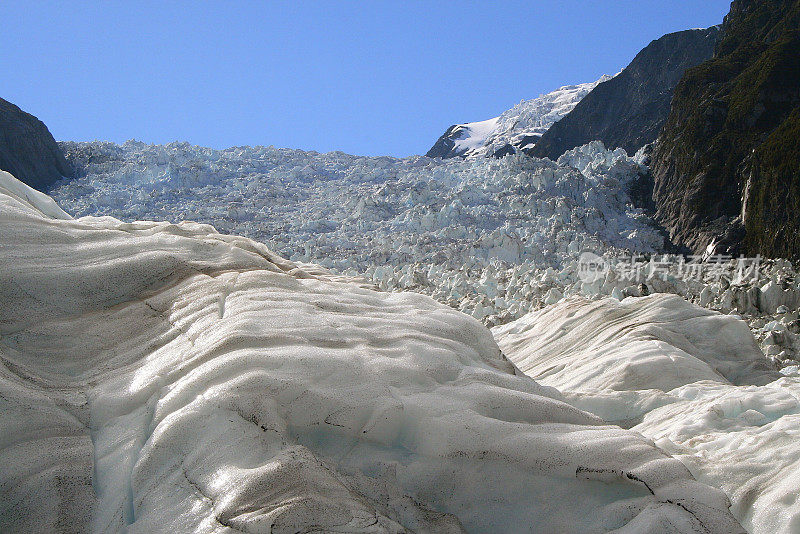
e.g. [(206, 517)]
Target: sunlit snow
[(520, 126)]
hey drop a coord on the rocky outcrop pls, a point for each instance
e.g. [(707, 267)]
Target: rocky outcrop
[(630, 109), (445, 145), (28, 150), (726, 165)]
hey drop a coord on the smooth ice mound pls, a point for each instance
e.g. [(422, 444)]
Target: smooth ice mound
[(656, 342), (29, 196), (168, 378), (691, 379)]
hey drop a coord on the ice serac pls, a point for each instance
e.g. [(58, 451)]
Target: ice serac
[(692, 380), (357, 212), (516, 129), (28, 150), (167, 378), (629, 110)]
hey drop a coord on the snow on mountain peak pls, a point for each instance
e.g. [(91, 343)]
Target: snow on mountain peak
[(518, 127), (473, 135)]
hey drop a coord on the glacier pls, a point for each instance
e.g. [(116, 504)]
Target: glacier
[(348, 211), (167, 377), (494, 238), (692, 380), (704, 367), (362, 215)]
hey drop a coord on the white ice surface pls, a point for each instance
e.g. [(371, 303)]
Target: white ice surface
[(12, 187), (686, 378), (657, 342), (432, 225), (173, 379), (473, 135), (742, 439), (528, 119)]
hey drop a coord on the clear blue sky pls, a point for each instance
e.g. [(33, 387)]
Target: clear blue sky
[(365, 78)]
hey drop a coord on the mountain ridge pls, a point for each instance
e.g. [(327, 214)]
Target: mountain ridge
[(515, 129), (629, 110), (726, 164), (28, 150)]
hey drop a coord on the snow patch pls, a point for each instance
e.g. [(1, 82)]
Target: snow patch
[(473, 135), (522, 125)]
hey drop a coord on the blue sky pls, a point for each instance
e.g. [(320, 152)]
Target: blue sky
[(366, 78)]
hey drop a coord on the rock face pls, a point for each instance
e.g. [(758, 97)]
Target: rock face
[(630, 109), (28, 150), (726, 164), (446, 144)]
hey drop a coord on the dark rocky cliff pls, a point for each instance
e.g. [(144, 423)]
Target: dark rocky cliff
[(727, 164), (629, 110), (28, 150), (445, 146)]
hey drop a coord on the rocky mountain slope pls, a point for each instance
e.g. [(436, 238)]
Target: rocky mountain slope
[(726, 166), (516, 129), (629, 110), (28, 150)]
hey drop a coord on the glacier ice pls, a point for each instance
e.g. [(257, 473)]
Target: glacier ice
[(166, 377), (347, 211), (692, 380), (493, 238), (29, 196), (656, 342), (496, 239), (442, 228), (377, 216)]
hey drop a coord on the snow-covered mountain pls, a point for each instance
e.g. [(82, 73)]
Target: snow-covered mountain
[(516, 129), (163, 377)]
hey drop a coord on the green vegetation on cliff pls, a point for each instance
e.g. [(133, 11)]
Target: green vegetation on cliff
[(733, 134), (773, 221)]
